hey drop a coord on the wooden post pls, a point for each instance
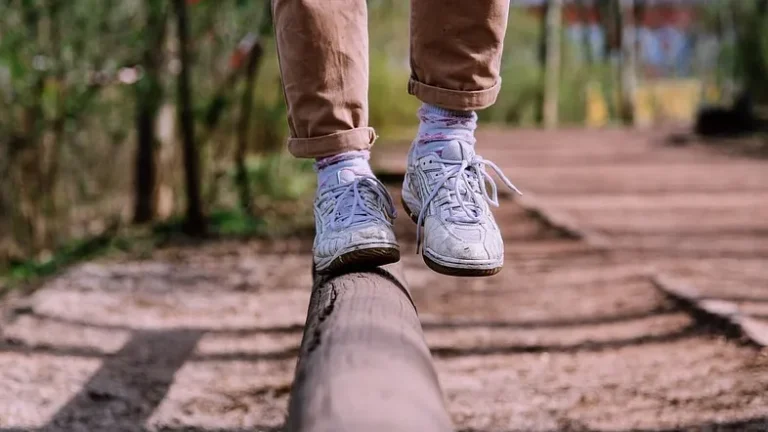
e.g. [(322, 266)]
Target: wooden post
[(149, 100), (195, 220), (628, 63), (364, 364), (553, 29), (243, 126)]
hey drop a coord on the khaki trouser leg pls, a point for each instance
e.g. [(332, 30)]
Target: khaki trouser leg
[(456, 48), (323, 52)]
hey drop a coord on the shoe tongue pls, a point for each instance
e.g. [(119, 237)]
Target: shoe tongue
[(458, 151), (337, 177), (346, 175)]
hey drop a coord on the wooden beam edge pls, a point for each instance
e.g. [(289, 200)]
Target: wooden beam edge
[(723, 312), (561, 222)]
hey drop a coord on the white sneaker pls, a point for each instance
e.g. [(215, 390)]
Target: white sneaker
[(354, 215), (446, 195)]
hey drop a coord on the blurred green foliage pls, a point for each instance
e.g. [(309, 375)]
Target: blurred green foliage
[(68, 93), (71, 253), (68, 89), (279, 177), (222, 223)]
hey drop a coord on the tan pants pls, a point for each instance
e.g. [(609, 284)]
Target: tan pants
[(456, 50)]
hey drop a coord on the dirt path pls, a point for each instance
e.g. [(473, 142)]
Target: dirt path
[(570, 337)]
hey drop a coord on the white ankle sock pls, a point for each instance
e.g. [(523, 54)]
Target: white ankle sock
[(355, 162), (439, 126)]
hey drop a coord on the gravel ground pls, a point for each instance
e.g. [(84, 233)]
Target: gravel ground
[(567, 338)]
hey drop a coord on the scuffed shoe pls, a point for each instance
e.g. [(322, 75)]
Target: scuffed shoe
[(446, 195), (354, 215)]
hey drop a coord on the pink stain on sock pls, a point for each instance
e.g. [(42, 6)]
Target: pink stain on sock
[(458, 121), (325, 162), (426, 138), (442, 125), (330, 160)]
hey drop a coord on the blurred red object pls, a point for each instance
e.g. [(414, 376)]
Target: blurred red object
[(242, 51)]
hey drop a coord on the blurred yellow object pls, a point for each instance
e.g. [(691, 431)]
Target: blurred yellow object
[(597, 108), (644, 107), (667, 99), (655, 101)]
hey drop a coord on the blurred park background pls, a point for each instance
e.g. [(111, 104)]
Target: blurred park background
[(124, 122)]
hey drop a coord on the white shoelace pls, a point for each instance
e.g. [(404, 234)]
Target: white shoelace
[(356, 203), (459, 179)]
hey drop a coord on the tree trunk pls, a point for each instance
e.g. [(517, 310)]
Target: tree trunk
[(364, 364), (552, 70), (255, 56), (243, 126), (607, 16), (148, 100), (586, 31), (144, 170), (195, 221), (52, 140), (628, 60), (751, 55), (542, 58)]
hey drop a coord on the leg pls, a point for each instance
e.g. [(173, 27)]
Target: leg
[(455, 61), (323, 53), (456, 52)]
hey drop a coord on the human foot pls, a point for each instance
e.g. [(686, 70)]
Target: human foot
[(353, 219), (445, 193)]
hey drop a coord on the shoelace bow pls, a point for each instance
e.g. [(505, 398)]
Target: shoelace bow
[(459, 180), (362, 192)]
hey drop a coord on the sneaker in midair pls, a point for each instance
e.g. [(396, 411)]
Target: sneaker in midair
[(354, 215), (445, 193)]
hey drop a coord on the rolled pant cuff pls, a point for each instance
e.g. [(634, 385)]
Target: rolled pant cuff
[(329, 145), (459, 100)]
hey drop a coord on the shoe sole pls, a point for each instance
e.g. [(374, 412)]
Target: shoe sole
[(443, 269), (362, 259)]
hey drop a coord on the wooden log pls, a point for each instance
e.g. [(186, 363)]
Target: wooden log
[(364, 364)]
